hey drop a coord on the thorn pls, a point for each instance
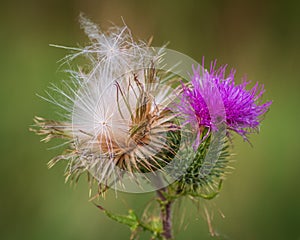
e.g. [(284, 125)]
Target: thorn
[(150, 41), (100, 207)]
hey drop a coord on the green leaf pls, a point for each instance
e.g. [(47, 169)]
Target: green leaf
[(130, 220)]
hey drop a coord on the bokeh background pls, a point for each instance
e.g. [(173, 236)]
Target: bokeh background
[(260, 199)]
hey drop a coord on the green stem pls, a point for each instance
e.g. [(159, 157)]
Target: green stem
[(166, 214)]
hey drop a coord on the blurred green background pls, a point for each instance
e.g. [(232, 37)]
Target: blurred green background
[(261, 199)]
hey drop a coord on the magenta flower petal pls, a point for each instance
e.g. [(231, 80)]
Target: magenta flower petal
[(210, 92)]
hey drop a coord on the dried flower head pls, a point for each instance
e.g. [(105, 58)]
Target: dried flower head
[(117, 119)]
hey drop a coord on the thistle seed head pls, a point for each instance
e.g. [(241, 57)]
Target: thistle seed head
[(116, 113)]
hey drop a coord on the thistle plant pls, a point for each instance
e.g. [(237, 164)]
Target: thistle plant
[(134, 121)]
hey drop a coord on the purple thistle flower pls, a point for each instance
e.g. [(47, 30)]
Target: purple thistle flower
[(212, 96)]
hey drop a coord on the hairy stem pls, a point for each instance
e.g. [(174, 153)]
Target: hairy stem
[(166, 214)]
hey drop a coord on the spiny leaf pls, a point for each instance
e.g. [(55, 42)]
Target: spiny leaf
[(134, 223)]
